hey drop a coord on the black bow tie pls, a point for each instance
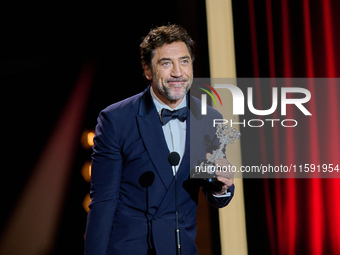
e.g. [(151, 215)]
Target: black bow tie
[(168, 115)]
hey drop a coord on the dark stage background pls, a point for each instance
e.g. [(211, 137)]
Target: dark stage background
[(48, 47), (291, 39), (53, 52)]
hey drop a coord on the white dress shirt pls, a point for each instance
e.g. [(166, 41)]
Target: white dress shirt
[(175, 130)]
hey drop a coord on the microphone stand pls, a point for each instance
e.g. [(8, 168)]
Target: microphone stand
[(174, 159), (146, 180), (177, 232)]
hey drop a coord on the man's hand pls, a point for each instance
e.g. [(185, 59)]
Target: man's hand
[(224, 176)]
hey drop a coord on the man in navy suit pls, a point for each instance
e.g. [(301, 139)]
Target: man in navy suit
[(132, 184)]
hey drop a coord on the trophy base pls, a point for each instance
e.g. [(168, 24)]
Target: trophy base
[(208, 181), (211, 184)]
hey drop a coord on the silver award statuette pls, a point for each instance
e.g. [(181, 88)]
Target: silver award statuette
[(226, 135)]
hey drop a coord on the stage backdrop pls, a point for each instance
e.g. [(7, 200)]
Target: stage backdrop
[(292, 38)]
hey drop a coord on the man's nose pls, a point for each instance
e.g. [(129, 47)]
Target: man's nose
[(176, 70)]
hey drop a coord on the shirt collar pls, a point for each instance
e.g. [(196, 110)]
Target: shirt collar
[(160, 105)]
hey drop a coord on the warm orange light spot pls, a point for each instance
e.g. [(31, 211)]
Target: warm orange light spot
[(86, 202), (87, 139), (86, 171), (90, 137)]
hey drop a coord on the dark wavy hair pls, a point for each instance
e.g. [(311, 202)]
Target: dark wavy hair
[(159, 36)]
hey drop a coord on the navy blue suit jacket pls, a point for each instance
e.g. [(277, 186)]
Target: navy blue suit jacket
[(125, 217)]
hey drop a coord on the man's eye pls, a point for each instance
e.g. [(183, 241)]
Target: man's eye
[(166, 63), (185, 61)]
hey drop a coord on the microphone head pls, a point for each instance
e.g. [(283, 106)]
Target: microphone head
[(173, 158), (146, 179)]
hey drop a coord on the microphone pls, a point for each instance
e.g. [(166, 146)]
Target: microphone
[(174, 159), (145, 181)]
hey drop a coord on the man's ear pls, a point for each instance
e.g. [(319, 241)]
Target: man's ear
[(147, 71)]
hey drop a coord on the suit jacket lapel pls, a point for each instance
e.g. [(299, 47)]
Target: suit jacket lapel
[(151, 131), (194, 115)]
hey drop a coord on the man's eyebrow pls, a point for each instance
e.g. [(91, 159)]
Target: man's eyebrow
[(169, 59), (184, 57), (164, 59)]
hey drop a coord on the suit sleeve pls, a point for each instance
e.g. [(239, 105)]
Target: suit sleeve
[(105, 185), (219, 202)]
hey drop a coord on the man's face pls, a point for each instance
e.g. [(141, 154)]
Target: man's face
[(171, 72)]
